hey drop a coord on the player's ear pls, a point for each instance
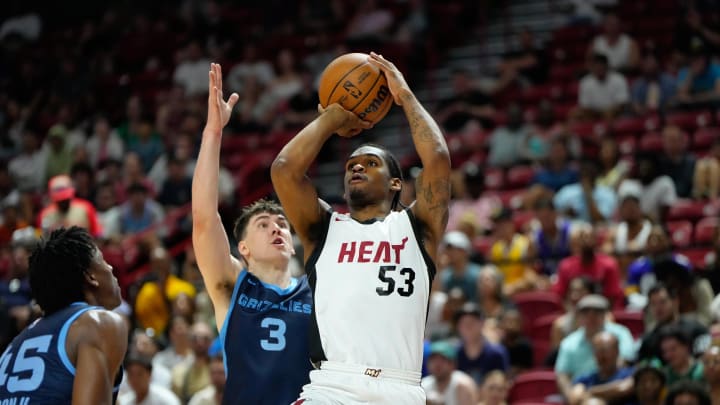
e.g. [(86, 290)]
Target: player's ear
[(243, 249), (90, 279), (395, 184)]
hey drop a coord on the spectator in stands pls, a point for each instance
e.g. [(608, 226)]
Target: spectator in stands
[(586, 200), (83, 179), (654, 89), (587, 261), (510, 253), (139, 369), (212, 394), (695, 293), (156, 295), (466, 105), (132, 173), (575, 357), (629, 236), (526, 65), (286, 84), (179, 350), (191, 377), (657, 190), (649, 384), (550, 240), (676, 162), (568, 322), (27, 168), (104, 143), (603, 93), (706, 180), (446, 384), (620, 49), (175, 190), (65, 210), (191, 72), (108, 211), (437, 325), (490, 297), (544, 130), (612, 381), (146, 144), (663, 309), (183, 149), (558, 170), (613, 170), (688, 393), (506, 141), (302, 107), (495, 389), (641, 274), (693, 30), (712, 267), (145, 343), (711, 370), (460, 271), (472, 206), (261, 71), (15, 285), (58, 154), (140, 211), (370, 25), (518, 346), (677, 353), (476, 355), (699, 82)]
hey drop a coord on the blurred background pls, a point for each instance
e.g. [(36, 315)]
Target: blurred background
[(585, 142)]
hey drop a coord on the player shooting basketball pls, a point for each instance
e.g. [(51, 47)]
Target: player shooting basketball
[(370, 270), (262, 312)]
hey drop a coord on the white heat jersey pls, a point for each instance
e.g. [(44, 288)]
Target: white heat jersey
[(371, 283)]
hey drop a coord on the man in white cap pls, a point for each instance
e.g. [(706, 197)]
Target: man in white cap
[(65, 210), (460, 272)]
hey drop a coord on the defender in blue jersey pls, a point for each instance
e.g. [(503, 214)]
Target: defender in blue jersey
[(73, 353), (262, 312)]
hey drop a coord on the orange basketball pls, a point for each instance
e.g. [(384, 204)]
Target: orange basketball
[(351, 81)]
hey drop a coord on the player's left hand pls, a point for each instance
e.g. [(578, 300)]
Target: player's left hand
[(395, 79)]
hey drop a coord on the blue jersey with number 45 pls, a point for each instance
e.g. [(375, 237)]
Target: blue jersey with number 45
[(265, 341), (35, 368)]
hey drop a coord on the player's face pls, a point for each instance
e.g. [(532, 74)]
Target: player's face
[(109, 291), (267, 238), (367, 177)]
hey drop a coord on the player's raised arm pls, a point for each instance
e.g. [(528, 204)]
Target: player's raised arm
[(297, 194), (100, 341), (218, 267), (433, 184)]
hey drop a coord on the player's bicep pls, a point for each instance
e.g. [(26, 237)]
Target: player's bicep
[(300, 202), (432, 200), (93, 384)]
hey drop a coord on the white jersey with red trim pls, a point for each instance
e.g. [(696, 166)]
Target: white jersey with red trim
[(371, 283)]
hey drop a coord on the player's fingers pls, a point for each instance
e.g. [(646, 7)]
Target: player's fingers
[(320, 108), (219, 75), (233, 100), (218, 97)]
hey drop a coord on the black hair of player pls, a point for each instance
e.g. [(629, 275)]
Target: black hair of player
[(259, 206), (393, 166), (58, 265)]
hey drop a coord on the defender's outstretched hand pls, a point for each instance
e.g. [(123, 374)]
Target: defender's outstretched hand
[(342, 121), (219, 110), (396, 80)]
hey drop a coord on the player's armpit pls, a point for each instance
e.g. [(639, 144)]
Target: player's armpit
[(97, 342)]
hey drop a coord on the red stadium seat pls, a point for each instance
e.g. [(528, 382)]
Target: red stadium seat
[(540, 328), (689, 120), (704, 137), (533, 386), (687, 209), (705, 230), (535, 304), (651, 142), (494, 179), (633, 320), (512, 198), (680, 233), (697, 256), (589, 130), (482, 244), (520, 176), (628, 126)]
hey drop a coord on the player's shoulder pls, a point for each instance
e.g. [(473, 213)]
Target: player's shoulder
[(99, 322)]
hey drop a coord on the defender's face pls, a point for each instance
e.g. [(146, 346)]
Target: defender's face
[(109, 290), (267, 238)]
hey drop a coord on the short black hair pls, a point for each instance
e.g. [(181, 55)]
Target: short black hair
[(693, 388), (393, 167), (81, 167), (58, 266), (137, 188), (139, 359), (660, 286), (259, 206), (589, 284), (600, 58), (675, 332)]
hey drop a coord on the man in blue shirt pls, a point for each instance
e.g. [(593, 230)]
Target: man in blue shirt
[(610, 381), (586, 200), (700, 81), (476, 355), (460, 272)]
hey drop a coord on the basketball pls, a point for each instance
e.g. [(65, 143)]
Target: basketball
[(351, 81)]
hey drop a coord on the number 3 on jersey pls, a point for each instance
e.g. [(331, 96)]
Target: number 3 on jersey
[(276, 341), (406, 290), (25, 363)]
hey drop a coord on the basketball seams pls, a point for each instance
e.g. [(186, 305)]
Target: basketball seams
[(337, 83), (370, 91)]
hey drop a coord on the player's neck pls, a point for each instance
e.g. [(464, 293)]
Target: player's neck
[(271, 273), (370, 211)]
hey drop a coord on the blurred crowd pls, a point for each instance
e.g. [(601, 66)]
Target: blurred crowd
[(583, 234)]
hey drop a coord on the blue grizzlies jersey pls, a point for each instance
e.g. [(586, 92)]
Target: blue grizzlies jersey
[(35, 368), (265, 342)]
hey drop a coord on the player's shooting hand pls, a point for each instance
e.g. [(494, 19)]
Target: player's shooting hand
[(219, 110), (342, 121), (396, 80)]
